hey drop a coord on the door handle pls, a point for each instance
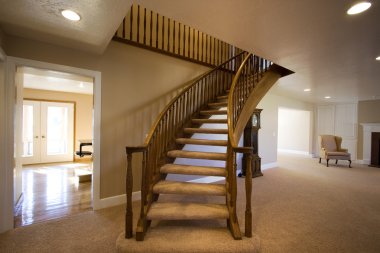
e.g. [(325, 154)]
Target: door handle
[(43, 136), (36, 137)]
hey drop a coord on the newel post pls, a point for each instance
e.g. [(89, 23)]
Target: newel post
[(129, 186), (248, 193)]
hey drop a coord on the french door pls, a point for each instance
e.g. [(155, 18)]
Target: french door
[(48, 132)]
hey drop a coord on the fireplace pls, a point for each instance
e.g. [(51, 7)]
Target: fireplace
[(370, 145), (375, 149)]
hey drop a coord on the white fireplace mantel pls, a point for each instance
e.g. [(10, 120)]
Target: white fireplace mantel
[(368, 128)]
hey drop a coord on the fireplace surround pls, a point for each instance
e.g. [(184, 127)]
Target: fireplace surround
[(371, 153)]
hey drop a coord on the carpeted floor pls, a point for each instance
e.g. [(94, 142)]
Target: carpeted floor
[(301, 206)]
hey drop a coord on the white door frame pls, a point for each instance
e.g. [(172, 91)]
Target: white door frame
[(7, 170)]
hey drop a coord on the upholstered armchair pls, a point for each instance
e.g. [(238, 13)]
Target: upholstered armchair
[(331, 149)]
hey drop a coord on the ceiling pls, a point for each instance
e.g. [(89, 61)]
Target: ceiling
[(331, 53), (42, 79)]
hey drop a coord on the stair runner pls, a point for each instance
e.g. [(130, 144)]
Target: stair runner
[(181, 210)]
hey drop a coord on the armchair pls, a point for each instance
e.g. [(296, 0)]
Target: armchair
[(331, 149)]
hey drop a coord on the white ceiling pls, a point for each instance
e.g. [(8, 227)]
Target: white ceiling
[(42, 79), (332, 53)]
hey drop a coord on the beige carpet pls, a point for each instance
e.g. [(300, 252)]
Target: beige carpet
[(301, 206)]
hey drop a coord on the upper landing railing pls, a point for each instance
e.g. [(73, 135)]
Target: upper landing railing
[(147, 29)]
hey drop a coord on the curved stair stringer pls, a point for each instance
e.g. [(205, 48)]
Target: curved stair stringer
[(266, 80), (256, 95)]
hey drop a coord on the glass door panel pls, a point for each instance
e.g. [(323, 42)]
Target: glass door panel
[(48, 132), (31, 132), (57, 132)]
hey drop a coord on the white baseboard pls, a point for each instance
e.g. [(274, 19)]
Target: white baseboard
[(116, 200), (289, 151), (362, 162), (269, 166)]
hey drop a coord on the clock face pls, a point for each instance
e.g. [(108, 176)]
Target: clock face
[(254, 120)]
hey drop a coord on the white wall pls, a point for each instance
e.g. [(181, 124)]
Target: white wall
[(341, 120), (294, 129), (269, 124)]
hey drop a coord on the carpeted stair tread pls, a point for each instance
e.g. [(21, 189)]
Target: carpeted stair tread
[(187, 211), (213, 112), (204, 131), (201, 142), (187, 188), (193, 170), (197, 155), (223, 97), (218, 104), (209, 121)]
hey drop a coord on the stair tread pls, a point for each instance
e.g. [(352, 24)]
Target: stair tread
[(192, 170), (201, 142), (218, 104), (205, 130), (187, 211), (197, 155), (174, 187), (213, 112), (209, 121), (222, 97)]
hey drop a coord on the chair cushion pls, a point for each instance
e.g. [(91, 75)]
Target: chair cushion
[(328, 142), (338, 155)]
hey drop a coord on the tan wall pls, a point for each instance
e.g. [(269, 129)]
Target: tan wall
[(136, 84), (269, 123), (83, 107), (368, 112)]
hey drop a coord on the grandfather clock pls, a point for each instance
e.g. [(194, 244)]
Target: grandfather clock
[(251, 139)]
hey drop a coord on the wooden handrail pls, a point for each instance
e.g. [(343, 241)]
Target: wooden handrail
[(187, 87), (249, 73), (196, 94)]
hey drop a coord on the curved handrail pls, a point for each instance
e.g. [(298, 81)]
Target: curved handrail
[(230, 103), (188, 87)]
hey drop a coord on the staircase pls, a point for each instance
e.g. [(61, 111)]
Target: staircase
[(209, 116), (190, 211)]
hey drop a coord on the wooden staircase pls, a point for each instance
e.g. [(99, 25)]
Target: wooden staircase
[(209, 115), (190, 211)]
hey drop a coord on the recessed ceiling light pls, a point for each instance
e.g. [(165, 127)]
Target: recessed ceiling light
[(359, 8), (307, 90), (327, 97), (70, 15), (81, 85), (378, 58)]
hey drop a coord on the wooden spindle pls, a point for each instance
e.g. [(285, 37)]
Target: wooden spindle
[(131, 25), (157, 30), (174, 28), (150, 28), (188, 42), (144, 26), (163, 33), (138, 24), (169, 35)]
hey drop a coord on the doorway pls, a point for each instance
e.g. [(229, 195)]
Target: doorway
[(48, 131), (294, 131)]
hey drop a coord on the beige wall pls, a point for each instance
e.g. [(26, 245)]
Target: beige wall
[(269, 123), (83, 110), (136, 84), (368, 112)]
